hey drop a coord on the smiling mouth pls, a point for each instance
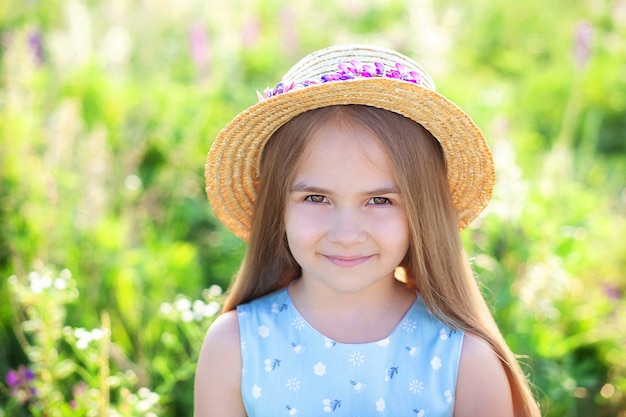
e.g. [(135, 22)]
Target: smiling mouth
[(347, 261)]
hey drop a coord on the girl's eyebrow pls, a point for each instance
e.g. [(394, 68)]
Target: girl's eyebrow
[(304, 187)]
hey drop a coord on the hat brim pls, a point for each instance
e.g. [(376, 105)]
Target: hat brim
[(231, 171)]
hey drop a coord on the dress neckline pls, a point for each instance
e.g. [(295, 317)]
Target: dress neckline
[(381, 342)]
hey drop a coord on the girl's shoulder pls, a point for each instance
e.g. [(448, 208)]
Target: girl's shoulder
[(222, 341), (218, 374), (225, 328), (482, 384)]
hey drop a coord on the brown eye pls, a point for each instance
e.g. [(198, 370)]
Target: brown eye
[(379, 200), (316, 198)]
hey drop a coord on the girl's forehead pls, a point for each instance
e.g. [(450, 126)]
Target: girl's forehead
[(333, 137), (333, 150)]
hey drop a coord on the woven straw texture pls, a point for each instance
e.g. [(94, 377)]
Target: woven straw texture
[(232, 166)]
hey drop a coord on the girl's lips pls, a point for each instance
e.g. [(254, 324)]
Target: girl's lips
[(347, 261)]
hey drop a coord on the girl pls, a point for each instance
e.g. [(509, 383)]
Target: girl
[(350, 180)]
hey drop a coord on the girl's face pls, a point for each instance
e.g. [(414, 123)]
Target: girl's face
[(345, 217)]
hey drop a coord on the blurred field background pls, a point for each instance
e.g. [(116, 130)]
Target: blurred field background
[(111, 261)]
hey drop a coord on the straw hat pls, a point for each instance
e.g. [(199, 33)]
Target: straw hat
[(347, 74)]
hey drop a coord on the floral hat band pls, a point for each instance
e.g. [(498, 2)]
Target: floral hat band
[(342, 75), (348, 71)]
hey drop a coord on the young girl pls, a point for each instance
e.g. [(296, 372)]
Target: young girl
[(350, 180)]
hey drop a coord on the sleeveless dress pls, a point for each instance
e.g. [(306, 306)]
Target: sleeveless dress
[(290, 369)]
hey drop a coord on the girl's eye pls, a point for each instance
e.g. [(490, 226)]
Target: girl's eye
[(379, 200), (315, 198)]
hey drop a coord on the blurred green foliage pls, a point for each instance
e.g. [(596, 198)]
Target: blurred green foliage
[(107, 110)]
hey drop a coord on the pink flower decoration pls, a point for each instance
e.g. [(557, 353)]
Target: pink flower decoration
[(348, 71)]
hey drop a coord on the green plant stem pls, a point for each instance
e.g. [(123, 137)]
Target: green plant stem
[(104, 364)]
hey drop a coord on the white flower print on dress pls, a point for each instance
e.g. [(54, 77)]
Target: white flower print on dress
[(416, 386), (357, 386), (293, 384), (419, 413), (298, 349), (270, 364), (436, 363), (319, 369), (326, 403), (449, 396), (445, 334), (264, 331), (329, 405), (356, 359), (277, 308), (380, 405), (329, 342), (409, 325), (412, 350), (293, 411), (298, 323), (256, 392)]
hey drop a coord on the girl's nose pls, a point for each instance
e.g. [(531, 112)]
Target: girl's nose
[(347, 228)]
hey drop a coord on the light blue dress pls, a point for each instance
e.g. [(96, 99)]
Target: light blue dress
[(290, 369)]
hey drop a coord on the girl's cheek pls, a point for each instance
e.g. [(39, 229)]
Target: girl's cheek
[(305, 218)]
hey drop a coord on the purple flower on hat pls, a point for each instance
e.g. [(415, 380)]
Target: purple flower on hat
[(367, 71), (401, 73), (349, 68), (349, 71), (393, 74), (380, 68), (329, 77), (279, 89)]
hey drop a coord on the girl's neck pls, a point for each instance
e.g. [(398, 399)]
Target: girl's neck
[(362, 317)]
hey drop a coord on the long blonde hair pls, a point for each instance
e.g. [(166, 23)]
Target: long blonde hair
[(436, 264)]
